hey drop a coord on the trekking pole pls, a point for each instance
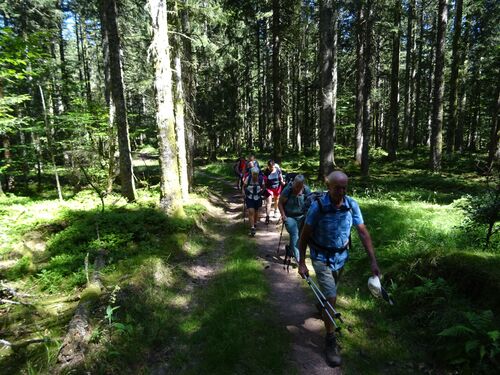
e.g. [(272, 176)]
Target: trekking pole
[(279, 243), (288, 258), (322, 300)]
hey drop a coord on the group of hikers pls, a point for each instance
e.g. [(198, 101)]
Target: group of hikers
[(322, 221)]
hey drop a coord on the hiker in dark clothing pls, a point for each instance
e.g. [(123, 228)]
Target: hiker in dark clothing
[(326, 230), (291, 205)]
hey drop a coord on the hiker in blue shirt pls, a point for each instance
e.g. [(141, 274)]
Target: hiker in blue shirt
[(326, 230), (291, 205)]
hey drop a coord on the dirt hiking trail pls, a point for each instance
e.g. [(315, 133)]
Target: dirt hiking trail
[(294, 304)]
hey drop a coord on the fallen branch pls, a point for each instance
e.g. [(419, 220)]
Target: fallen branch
[(75, 344), (8, 301), (12, 291), (23, 344)]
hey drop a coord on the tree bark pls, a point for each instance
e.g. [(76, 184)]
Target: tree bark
[(327, 87), (394, 103), (169, 170), (437, 108), (118, 94), (455, 59)]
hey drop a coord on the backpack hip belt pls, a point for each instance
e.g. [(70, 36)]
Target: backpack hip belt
[(328, 250)]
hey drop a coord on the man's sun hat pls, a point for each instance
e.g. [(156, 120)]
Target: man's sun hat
[(378, 290), (374, 286)]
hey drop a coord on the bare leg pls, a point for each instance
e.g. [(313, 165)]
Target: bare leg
[(251, 217), (269, 201), (328, 323)]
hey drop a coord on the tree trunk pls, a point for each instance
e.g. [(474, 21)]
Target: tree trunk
[(409, 74), (50, 143), (327, 87), (277, 109), (367, 117), (169, 170), (64, 71), (437, 108), (118, 95), (179, 124), (189, 84), (414, 137), (360, 83), (494, 144), (394, 103), (260, 140), (455, 59), (475, 110), (111, 107)]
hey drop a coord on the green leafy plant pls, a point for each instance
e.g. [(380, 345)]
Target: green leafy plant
[(481, 214), (474, 342)]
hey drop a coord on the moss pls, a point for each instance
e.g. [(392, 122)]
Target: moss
[(91, 293)]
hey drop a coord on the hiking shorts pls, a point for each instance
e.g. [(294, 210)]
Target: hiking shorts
[(327, 279), (274, 192), (252, 203)]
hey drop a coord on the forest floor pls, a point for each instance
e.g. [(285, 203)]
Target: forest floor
[(196, 295)]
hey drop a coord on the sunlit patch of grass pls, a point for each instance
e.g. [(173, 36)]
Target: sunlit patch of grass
[(232, 325)]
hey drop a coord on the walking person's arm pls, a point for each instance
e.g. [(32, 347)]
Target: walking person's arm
[(281, 206), (364, 235)]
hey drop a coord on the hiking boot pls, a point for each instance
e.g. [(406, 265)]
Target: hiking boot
[(252, 232), (332, 352), (267, 219)]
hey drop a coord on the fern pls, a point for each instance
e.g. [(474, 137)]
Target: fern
[(474, 342)]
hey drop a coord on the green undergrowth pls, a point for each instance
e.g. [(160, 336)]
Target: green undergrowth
[(221, 327), (53, 247), (446, 284), (442, 285)]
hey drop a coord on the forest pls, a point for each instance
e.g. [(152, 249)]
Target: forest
[(123, 242)]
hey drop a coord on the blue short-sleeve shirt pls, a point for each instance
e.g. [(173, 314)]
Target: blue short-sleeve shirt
[(332, 228)]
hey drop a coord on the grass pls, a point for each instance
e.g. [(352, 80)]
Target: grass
[(436, 269), (232, 329), (52, 241), (150, 319)]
